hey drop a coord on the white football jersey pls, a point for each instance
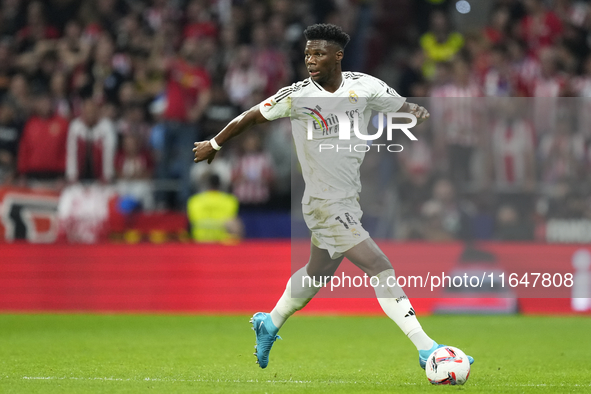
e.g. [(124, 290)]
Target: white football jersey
[(331, 173)]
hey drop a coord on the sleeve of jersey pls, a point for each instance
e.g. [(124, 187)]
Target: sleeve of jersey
[(278, 105), (385, 99)]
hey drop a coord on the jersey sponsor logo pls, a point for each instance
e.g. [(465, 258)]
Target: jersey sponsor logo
[(317, 116), (353, 97)]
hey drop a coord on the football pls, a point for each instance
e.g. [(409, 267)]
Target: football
[(447, 365)]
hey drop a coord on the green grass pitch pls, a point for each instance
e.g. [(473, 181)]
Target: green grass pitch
[(318, 354)]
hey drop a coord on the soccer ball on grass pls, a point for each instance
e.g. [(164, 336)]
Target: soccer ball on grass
[(447, 365)]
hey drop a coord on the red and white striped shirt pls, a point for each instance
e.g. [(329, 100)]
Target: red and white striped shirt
[(101, 140), (456, 114), (513, 145), (252, 174)]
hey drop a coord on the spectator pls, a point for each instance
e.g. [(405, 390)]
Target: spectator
[(512, 156), (252, 174), (513, 149), (457, 121), (221, 166), (581, 85), (564, 201), (92, 143), (148, 83), (511, 227), (18, 96), (213, 215), (540, 28), (133, 122), (131, 35), (412, 74), (127, 95), (446, 217), (525, 69), (228, 44), (42, 149), (103, 13), (551, 82), (546, 88), (199, 22), (219, 112), (498, 81), (98, 77), (73, 49), (415, 186), (58, 85), (36, 28), (243, 79), (158, 12), (10, 133), (134, 169), (562, 152), (187, 97), (498, 29), (11, 17), (269, 61), (7, 66), (439, 43), (516, 11)]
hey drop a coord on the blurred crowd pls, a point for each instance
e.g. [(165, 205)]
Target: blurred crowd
[(117, 91)]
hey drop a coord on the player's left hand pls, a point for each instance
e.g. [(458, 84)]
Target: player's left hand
[(419, 112), (204, 151)]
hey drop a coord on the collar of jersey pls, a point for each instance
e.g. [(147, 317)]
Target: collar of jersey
[(322, 89)]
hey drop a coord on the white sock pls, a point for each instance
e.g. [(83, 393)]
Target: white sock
[(295, 297), (395, 303)]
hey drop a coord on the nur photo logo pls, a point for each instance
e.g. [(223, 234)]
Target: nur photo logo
[(345, 124)]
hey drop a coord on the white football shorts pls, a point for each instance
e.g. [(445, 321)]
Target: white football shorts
[(335, 224)]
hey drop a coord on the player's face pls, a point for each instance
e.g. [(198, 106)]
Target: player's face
[(322, 60)]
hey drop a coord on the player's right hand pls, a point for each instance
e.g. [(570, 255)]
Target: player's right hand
[(204, 151)]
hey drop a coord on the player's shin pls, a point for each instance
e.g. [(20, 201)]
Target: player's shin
[(397, 306), (300, 289)]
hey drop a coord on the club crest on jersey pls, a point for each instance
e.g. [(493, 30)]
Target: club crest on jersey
[(353, 97)]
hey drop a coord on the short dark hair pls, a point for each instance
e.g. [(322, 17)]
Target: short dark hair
[(214, 181), (328, 32)]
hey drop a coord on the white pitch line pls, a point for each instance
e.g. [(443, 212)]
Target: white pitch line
[(170, 380)]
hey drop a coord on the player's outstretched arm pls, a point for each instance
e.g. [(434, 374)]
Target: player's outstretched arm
[(420, 112), (204, 150)]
